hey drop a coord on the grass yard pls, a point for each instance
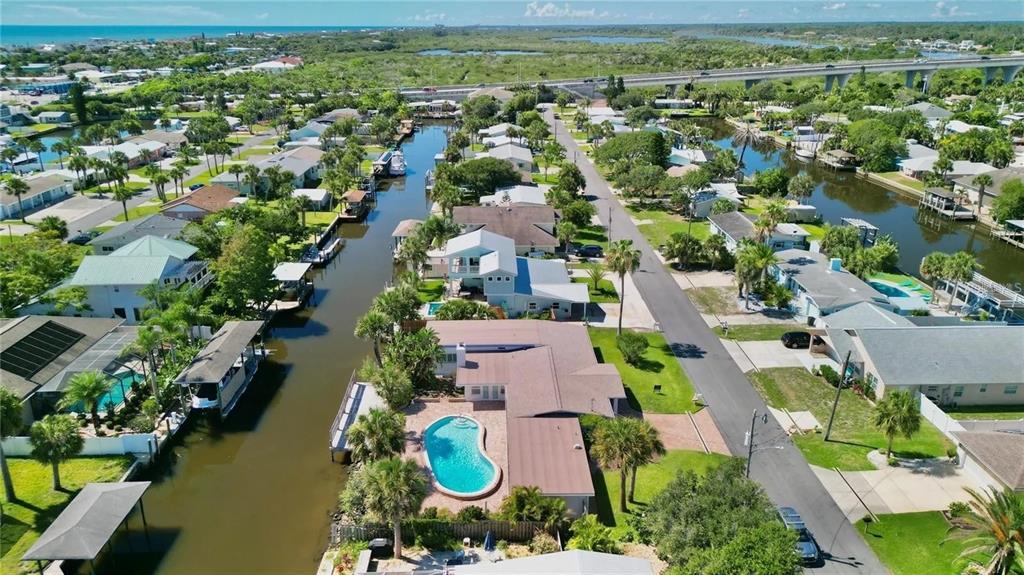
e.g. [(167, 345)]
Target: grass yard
[(551, 178), (605, 292), (911, 543), (756, 332), (659, 366), (650, 481), (203, 178), (39, 128), (198, 114), (254, 151), (661, 224), (713, 300), (320, 218), (431, 290), (898, 178), (853, 433), (986, 412), (102, 188), (755, 205), (140, 211), (24, 520), (592, 235)]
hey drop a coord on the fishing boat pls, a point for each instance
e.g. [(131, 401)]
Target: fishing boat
[(804, 154), (320, 256)]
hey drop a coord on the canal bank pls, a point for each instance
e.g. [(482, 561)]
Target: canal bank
[(253, 494), (840, 195)]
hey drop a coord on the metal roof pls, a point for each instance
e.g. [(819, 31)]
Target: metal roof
[(220, 353), (548, 278), (122, 270), (156, 246), (291, 271), (86, 524), (548, 452)]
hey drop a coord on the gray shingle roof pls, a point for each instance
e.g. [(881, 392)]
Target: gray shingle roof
[(999, 178), (828, 289), (520, 223), (154, 225), (999, 452), (573, 562), (736, 225)]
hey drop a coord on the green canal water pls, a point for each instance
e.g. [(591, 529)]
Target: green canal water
[(253, 494)]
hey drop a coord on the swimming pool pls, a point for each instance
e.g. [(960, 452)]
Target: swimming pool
[(114, 396), (455, 455), (432, 308), (888, 289)]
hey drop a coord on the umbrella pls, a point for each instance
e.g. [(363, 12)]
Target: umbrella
[(489, 542)]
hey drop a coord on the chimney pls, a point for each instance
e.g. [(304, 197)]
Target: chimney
[(460, 354), (835, 265)]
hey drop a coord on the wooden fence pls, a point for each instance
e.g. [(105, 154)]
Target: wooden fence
[(516, 531)]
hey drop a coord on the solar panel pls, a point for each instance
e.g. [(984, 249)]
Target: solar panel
[(36, 350)]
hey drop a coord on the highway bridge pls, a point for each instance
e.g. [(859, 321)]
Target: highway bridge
[(835, 74)]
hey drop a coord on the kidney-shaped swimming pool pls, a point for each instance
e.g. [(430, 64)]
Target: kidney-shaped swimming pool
[(455, 454)]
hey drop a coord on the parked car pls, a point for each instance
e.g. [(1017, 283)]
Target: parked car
[(430, 90), (828, 66), (796, 339), (194, 187), (83, 238), (806, 547), (588, 251)]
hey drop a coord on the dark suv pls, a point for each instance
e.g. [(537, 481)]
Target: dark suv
[(806, 547), (796, 339), (588, 251)]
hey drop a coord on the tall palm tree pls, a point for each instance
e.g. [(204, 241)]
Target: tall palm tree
[(753, 261), (123, 194), (622, 259), (178, 173), (80, 164), (800, 187), (160, 180), (17, 187), (237, 170), (147, 343), (995, 530), (87, 387), (37, 147), (897, 414), (595, 273), (933, 268), (376, 327), (982, 181), (959, 268), (613, 447), (60, 148), (10, 424), (394, 488), (378, 434), (54, 440), (646, 447)]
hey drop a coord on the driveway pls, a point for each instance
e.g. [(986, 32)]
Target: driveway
[(784, 473), (764, 354), (73, 209), (923, 485)]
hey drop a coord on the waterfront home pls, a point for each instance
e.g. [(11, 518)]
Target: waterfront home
[(498, 130), (531, 227), (673, 103), (968, 364), (53, 117), (738, 226), (221, 372), (515, 196), (43, 190), (959, 127), (24, 163), (545, 374), (993, 458), (312, 130), (171, 140), (930, 111), (71, 344), (966, 185), (572, 562), (520, 157), (486, 263), (918, 167), (138, 152), (702, 202), (156, 225), (820, 285), (112, 282), (303, 162), (495, 141), (686, 156), (318, 199), (338, 114), (915, 150), (1002, 301), (200, 203), (402, 231)]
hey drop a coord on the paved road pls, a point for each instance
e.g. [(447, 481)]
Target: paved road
[(785, 475)]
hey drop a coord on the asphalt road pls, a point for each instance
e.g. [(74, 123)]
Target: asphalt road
[(784, 473)]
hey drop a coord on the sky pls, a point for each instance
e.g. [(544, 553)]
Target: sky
[(494, 12)]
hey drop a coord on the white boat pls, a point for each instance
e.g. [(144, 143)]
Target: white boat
[(804, 154), (397, 166)]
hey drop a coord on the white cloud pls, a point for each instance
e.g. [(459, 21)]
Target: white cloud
[(429, 16), (835, 6), (263, 16), (551, 10), (945, 10), (69, 11), (743, 13), (176, 11)]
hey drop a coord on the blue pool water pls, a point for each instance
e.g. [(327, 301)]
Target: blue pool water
[(114, 397), (453, 448), (891, 290), (432, 308)]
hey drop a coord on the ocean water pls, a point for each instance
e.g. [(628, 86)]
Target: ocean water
[(20, 35)]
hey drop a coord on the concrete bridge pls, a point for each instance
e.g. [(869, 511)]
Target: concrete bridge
[(835, 74)]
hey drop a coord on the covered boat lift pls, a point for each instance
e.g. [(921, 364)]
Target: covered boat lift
[(220, 374)]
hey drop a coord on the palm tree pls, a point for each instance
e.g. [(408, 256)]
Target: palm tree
[(237, 170), (55, 439), (147, 343), (982, 181), (773, 214), (994, 529), (646, 447), (753, 260), (37, 147), (800, 187), (897, 414), (53, 225), (394, 488), (959, 268), (10, 424), (60, 148), (595, 272), (178, 174), (622, 259), (87, 387), (713, 247), (123, 194), (378, 434), (80, 164), (566, 231), (160, 180), (933, 268), (17, 187), (683, 247), (613, 447), (447, 196), (376, 327)]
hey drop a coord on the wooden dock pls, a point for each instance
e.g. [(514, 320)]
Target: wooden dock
[(943, 202), (1012, 233)]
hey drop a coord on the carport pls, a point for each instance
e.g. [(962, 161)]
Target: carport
[(86, 525)]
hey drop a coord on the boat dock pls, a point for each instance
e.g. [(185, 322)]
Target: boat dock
[(1012, 233), (943, 202)]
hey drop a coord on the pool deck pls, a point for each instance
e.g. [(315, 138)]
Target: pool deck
[(490, 414)]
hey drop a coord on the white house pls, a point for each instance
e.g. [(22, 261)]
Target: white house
[(515, 195), (501, 129), (520, 157), (738, 226), (820, 285), (43, 189), (704, 200)]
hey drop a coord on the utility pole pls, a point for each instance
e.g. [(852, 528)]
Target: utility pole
[(750, 441), (609, 224), (839, 389)]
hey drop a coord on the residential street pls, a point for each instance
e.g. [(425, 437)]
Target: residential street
[(784, 473)]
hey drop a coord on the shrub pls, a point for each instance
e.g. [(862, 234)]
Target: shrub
[(640, 527), (502, 545), (141, 424), (830, 375), (893, 462), (543, 543), (432, 534), (951, 451), (471, 513), (118, 428), (101, 433), (632, 345), (959, 509), (588, 534), (151, 407), (347, 555)]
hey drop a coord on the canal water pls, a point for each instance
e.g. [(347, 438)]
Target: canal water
[(843, 195), (253, 494)]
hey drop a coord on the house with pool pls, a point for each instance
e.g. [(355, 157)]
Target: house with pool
[(526, 382), (821, 286)]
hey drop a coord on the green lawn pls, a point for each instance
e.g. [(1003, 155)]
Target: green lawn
[(320, 218), (38, 505), (760, 332), (592, 235), (713, 300), (986, 412), (853, 433), (901, 179), (755, 204), (540, 178), (662, 224), (253, 151), (43, 127), (102, 188), (140, 211), (431, 290), (650, 481), (659, 366), (203, 178), (911, 543), (605, 292), (198, 114)]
